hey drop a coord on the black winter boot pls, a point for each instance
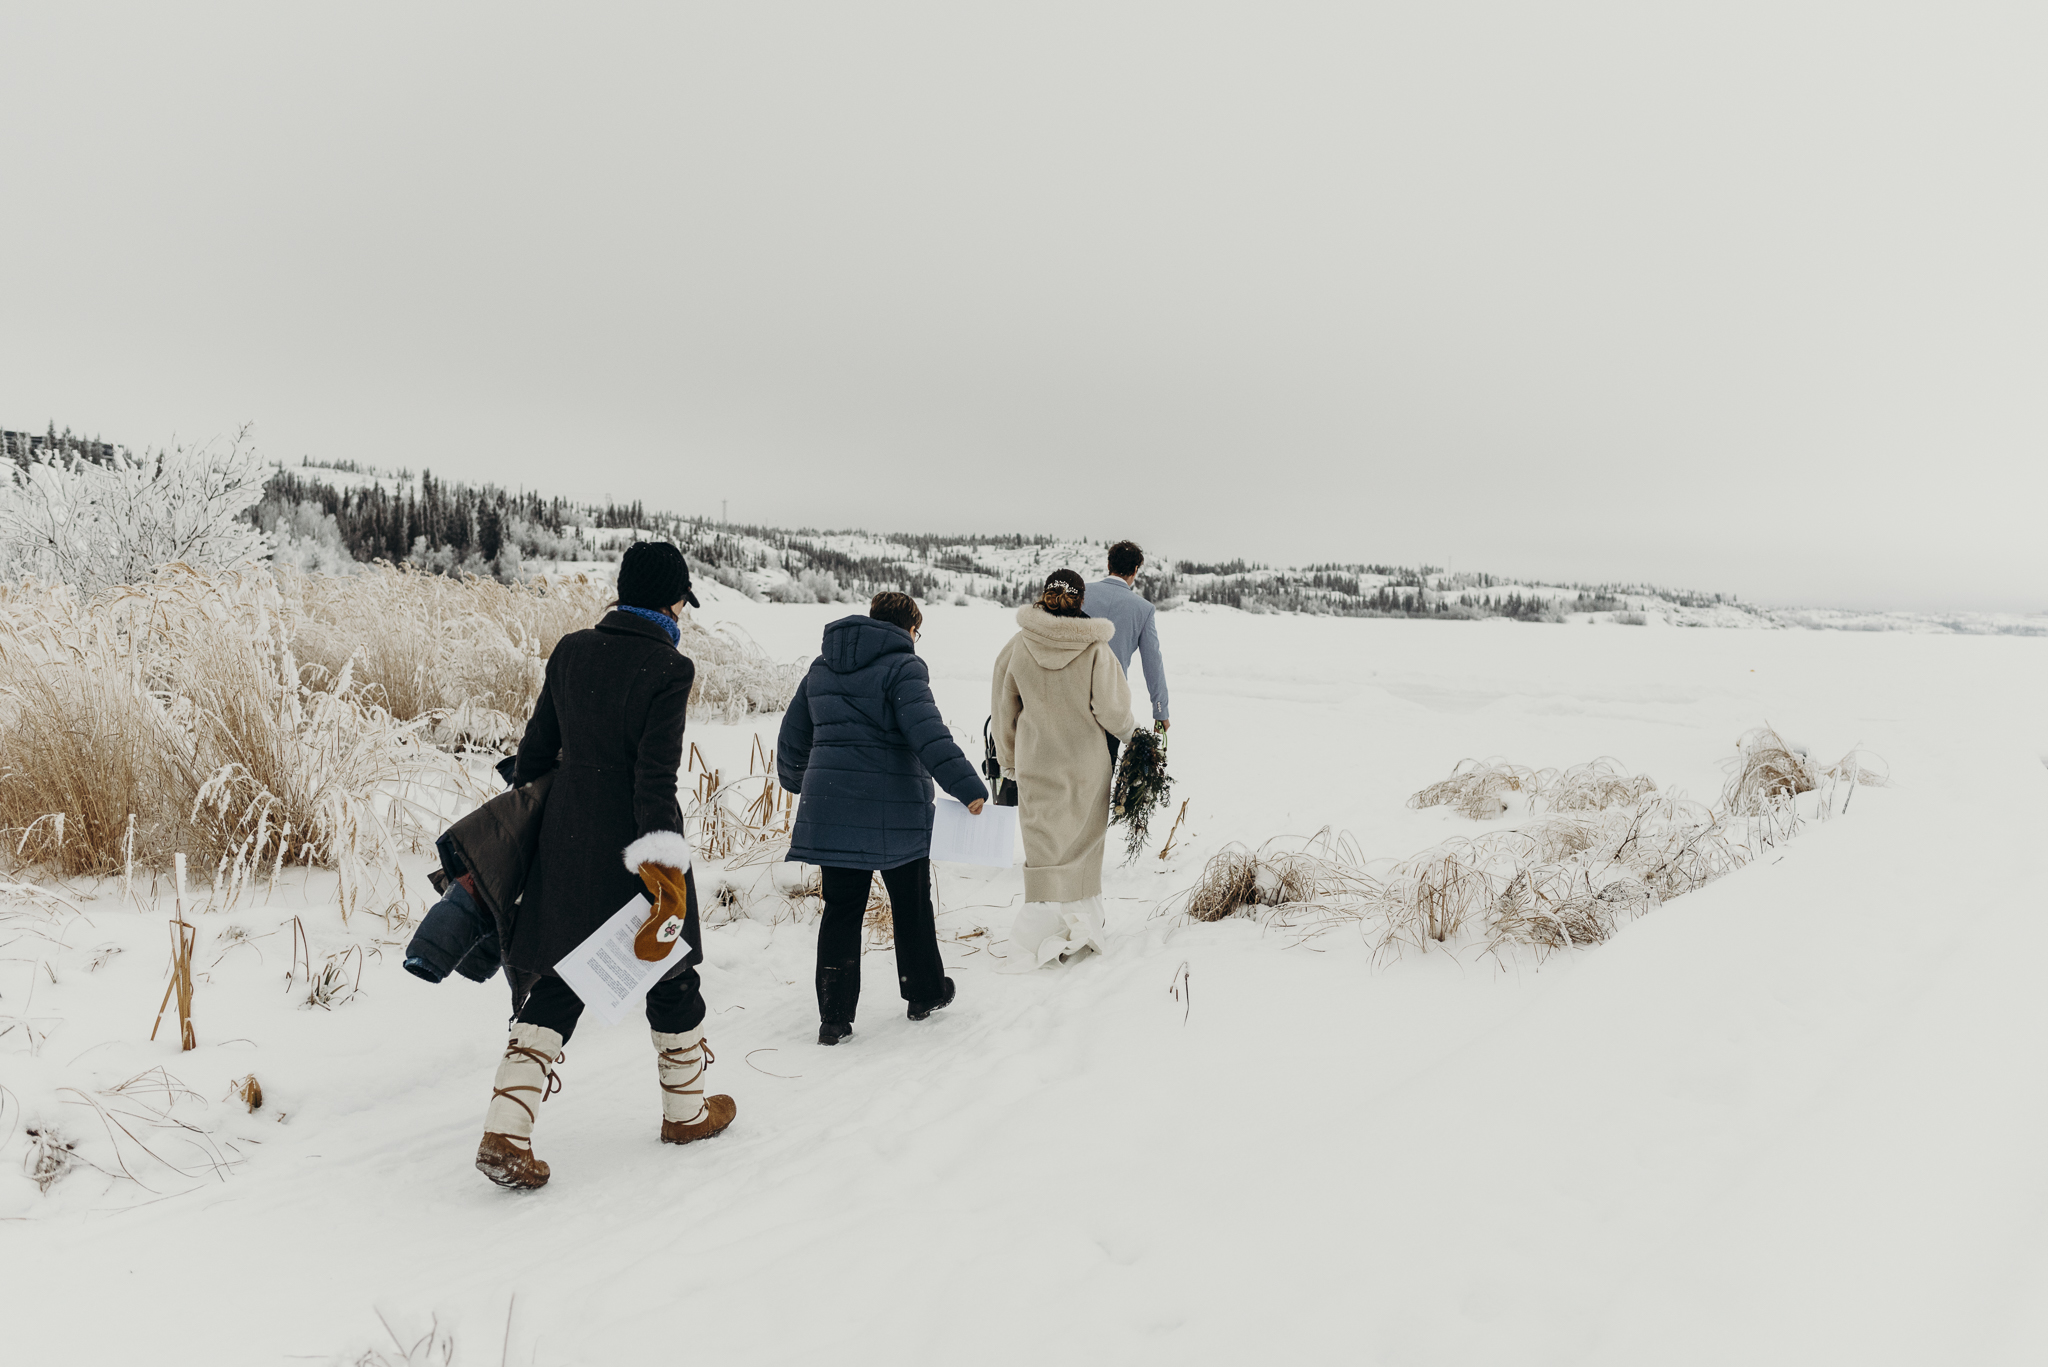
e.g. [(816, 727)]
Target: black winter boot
[(838, 994), (831, 1032), (919, 1010)]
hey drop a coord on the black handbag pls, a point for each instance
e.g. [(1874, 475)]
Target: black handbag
[(1005, 789)]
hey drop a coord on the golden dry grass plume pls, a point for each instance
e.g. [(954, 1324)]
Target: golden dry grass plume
[(252, 720)]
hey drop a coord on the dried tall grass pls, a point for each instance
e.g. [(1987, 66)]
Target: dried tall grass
[(741, 822), (1612, 849), (172, 718), (1595, 786), (82, 737), (1766, 768), (1236, 878), (469, 654), (251, 720), (1476, 787)]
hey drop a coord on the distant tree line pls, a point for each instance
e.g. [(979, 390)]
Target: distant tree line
[(462, 523), (23, 447), (452, 526)]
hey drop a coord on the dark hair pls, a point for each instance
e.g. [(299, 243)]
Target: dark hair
[(900, 608), (1125, 558), (1063, 594)]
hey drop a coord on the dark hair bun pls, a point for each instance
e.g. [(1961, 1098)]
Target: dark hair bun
[(1063, 594)]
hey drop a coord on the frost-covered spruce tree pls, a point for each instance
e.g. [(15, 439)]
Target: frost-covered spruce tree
[(92, 526)]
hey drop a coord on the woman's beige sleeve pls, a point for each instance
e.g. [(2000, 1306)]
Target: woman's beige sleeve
[(1110, 695), (1005, 705)]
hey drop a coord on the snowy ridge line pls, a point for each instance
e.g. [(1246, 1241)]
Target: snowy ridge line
[(325, 517)]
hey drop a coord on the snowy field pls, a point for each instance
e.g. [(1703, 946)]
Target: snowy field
[(1798, 1116)]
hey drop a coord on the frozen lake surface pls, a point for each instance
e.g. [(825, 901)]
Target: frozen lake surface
[(1797, 1116)]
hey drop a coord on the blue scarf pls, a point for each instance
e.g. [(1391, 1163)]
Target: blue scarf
[(660, 619)]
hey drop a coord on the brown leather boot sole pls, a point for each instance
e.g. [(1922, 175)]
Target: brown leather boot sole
[(718, 1113), (505, 1163)]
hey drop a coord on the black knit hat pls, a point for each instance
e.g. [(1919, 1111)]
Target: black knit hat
[(653, 574)]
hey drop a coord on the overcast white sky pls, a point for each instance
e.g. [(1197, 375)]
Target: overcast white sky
[(1749, 297)]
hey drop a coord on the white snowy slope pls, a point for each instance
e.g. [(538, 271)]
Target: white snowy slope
[(1798, 1116)]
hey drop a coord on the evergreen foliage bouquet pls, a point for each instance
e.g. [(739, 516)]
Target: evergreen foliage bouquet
[(1142, 784)]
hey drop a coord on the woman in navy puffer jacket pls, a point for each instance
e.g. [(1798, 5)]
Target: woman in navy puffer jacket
[(862, 742)]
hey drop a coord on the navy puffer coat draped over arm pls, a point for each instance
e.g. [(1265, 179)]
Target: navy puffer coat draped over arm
[(862, 742)]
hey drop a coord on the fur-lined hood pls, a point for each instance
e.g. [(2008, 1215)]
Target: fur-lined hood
[(1056, 642)]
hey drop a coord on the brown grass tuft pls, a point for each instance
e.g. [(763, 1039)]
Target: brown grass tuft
[(1475, 787)]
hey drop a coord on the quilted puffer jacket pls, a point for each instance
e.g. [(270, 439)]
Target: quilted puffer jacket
[(862, 742)]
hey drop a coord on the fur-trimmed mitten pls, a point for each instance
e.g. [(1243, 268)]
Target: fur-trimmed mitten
[(662, 859)]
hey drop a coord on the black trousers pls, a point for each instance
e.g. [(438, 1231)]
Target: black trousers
[(920, 972), (1114, 744), (674, 1005)]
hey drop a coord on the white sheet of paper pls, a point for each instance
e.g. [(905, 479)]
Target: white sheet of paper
[(605, 972), (961, 837)]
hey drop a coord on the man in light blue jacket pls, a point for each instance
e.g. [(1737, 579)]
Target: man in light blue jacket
[(1137, 626)]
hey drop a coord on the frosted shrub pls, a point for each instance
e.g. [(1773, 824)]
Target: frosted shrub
[(307, 538), (93, 526), (530, 539), (734, 579)]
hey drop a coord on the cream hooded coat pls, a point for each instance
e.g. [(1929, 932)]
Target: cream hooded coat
[(1057, 690)]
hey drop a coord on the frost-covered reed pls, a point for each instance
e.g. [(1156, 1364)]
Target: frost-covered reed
[(1608, 847), (1476, 788), (253, 720), (469, 654)]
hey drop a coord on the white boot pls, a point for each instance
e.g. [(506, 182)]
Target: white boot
[(1044, 931), (1036, 924), (526, 1078), (1084, 928), (686, 1113)]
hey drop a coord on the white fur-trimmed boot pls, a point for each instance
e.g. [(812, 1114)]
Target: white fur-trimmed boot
[(686, 1113), (526, 1078)]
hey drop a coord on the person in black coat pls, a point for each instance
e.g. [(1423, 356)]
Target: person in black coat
[(862, 742), (609, 727)]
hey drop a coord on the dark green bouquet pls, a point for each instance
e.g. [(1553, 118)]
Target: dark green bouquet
[(1140, 789)]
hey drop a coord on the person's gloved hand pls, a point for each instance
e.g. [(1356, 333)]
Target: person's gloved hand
[(669, 889)]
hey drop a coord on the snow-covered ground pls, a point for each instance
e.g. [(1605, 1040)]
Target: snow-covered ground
[(1798, 1116)]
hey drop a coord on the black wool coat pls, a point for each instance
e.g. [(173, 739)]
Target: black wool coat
[(609, 726)]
